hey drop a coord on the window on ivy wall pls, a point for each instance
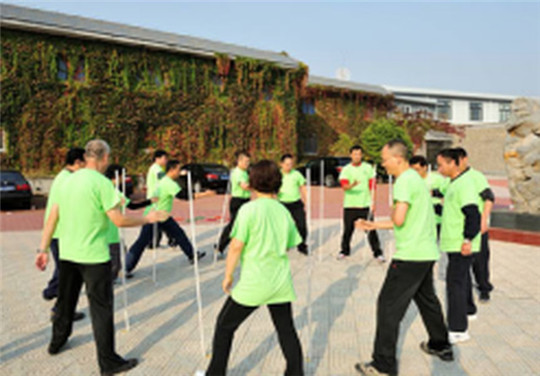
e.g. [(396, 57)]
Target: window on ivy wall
[(308, 107), (475, 111), (62, 68), (80, 71), (310, 145), (504, 112)]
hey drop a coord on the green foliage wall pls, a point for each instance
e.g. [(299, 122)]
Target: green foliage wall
[(139, 100)]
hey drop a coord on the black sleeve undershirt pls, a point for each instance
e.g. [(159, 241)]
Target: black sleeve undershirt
[(487, 195), (437, 193), (472, 221), (138, 205)]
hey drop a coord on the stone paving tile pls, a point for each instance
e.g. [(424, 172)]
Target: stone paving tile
[(164, 332)]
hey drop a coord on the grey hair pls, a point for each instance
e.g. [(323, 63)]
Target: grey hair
[(97, 149)]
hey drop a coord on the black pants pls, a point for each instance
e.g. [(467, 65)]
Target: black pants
[(116, 260), (350, 215), (480, 266), (234, 206), (299, 216), (51, 291), (406, 281), (97, 279), (459, 296), (233, 314), (171, 228)]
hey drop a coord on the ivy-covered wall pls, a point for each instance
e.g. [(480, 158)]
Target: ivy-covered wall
[(328, 113), (59, 92)]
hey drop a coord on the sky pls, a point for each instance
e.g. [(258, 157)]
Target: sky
[(481, 47)]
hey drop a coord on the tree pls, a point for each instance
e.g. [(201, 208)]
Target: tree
[(342, 145), (378, 134)]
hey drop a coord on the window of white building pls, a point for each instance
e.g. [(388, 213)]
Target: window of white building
[(476, 111), (444, 109)]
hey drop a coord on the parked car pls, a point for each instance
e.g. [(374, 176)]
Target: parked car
[(332, 168), (208, 176), (15, 189)]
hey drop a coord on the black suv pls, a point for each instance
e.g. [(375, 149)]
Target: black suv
[(208, 176), (15, 189), (332, 168)]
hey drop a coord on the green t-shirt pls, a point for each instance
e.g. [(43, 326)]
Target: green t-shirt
[(434, 181), (481, 184), (416, 238), (152, 178), (53, 197), (290, 186), (113, 235), (358, 196), (267, 230), (166, 191), (460, 192), (85, 198), (239, 176)]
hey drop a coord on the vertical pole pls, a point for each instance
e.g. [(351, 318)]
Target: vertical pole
[(196, 263), (123, 251), (222, 219), (310, 261), (321, 209)]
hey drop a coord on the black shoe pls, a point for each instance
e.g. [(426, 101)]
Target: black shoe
[(368, 369), (129, 275), (56, 347), (445, 354), (129, 364), (484, 297), (200, 255), (78, 316), (303, 250)]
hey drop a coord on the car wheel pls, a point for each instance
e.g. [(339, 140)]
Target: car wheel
[(26, 204), (329, 181), (197, 187)]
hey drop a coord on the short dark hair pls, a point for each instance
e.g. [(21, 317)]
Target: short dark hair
[(356, 147), (159, 153), (171, 164), (286, 156), (399, 146), (74, 155), (418, 160), (239, 153), (264, 177), (110, 172), (461, 152), (449, 155)]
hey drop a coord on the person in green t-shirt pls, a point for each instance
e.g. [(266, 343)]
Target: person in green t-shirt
[(85, 203), (460, 238), (166, 191), (240, 194), (435, 183), (113, 234), (74, 162), (156, 172), (263, 232), (358, 180), (410, 275), (480, 266), (292, 194)]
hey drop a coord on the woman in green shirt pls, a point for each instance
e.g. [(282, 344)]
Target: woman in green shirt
[(263, 232)]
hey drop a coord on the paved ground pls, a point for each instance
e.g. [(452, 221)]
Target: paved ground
[(164, 333)]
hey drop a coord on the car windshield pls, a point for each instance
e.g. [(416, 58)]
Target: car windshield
[(215, 169), (11, 177), (342, 161)]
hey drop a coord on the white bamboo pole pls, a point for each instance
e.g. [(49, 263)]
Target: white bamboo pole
[(123, 251), (310, 262), (196, 263), (321, 209)]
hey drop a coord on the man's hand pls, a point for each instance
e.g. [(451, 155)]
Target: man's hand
[(227, 284), (466, 248), (157, 216), (365, 225), (42, 259)]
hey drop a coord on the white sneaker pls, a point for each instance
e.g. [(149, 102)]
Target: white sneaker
[(341, 256), (456, 337), (200, 373), (472, 317), (380, 258)]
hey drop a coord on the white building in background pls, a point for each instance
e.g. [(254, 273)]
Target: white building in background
[(456, 107)]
